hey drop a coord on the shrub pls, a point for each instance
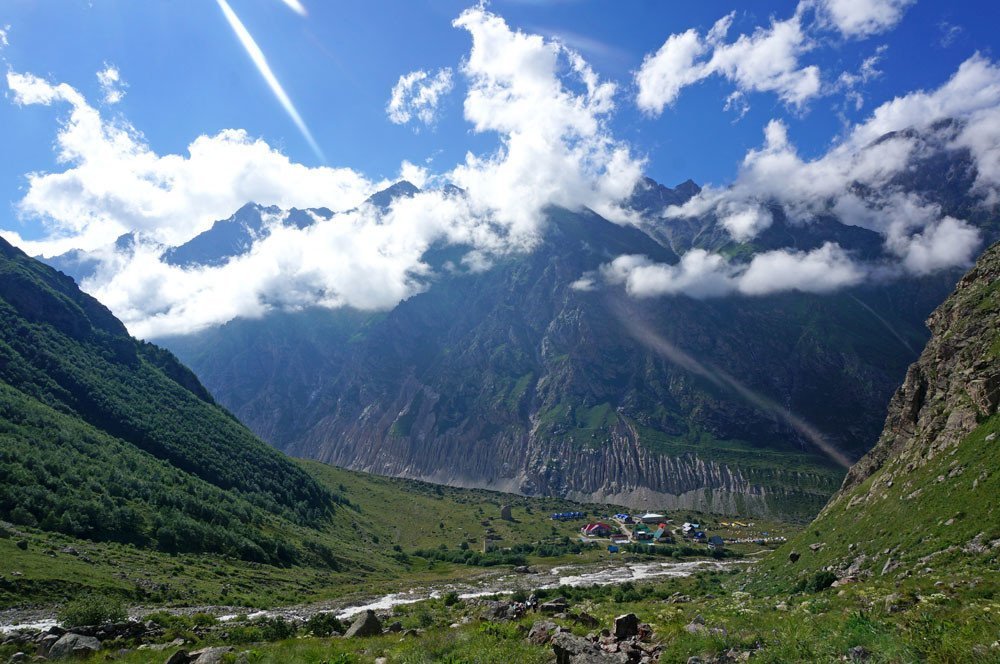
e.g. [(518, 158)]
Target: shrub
[(92, 610), (324, 624), (815, 583), (451, 598), (275, 629)]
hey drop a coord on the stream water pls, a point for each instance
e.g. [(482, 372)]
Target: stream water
[(505, 583)]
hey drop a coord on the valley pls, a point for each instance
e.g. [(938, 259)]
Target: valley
[(379, 333)]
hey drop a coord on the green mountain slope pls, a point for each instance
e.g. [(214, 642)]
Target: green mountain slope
[(925, 497), (110, 438)]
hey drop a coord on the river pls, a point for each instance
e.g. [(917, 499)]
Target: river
[(503, 583)]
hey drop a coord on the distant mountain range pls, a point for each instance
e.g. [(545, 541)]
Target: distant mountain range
[(514, 379)]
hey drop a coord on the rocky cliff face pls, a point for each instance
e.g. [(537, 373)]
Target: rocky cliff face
[(948, 392), (924, 499)]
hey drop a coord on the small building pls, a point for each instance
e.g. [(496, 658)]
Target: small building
[(612, 548), (716, 542), (619, 538), (623, 518), (650, 517), (596, 530), (641, 533)]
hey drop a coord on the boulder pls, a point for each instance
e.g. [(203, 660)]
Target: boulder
[(210, 655), (571, 649), (541, 632), (503, 611), (73, 645), (179, 657), (793, 556), (45, 644), (555, 605), (626, 626), (505, 513), (367, 624)]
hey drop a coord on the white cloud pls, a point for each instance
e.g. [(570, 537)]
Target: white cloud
[(822, 270), (765, 61), (544, 102), (114, 183), (949, 33), (868, 71), (665, 73), (4, 30), (701, 274), (112, 85), (549, 109), (914, 230), (416, 96), (941, 244), (861, 18)]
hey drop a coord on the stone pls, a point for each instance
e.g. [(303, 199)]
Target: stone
[(793, 556), (45, 644), (817, 546), (585, 619), (572, 649), (555, 605), (858, 654), (18, 657), (394, 628), (541, 632), (22, 545), (626, 626), (71, 644), (367, 624), (210, 655), (505, 513), (381, 660), (179, 657)]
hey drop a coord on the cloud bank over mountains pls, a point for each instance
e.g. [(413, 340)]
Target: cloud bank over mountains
[(550, 113), (546, 105)]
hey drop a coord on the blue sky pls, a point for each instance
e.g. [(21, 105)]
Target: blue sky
[(188, 75), (184, 74)]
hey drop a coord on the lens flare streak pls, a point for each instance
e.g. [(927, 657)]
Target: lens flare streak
[(669, 351), (257, 56)]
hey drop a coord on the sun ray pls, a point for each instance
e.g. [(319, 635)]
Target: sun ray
[(257, 56), (296, 6)]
